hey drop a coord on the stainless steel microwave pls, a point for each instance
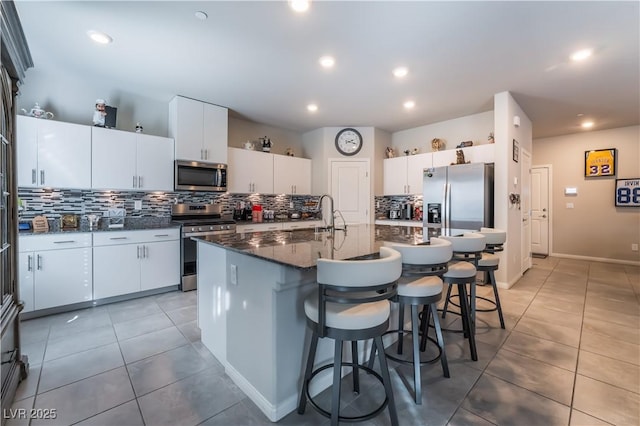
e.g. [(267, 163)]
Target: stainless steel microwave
[(199, 176)]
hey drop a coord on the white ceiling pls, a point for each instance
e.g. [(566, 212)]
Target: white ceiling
[(260, 59)]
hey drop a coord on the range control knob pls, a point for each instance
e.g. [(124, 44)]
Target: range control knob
[(199, 229)]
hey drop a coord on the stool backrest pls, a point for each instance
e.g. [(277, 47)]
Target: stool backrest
[(438, 251), (361, 273), (467, 247), (357, 281), (494, 238)]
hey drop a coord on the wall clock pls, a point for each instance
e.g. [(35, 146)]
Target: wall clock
[(348, 141)]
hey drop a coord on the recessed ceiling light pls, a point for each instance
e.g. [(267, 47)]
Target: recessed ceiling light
[(300, 5), (587, 124), (99, 37), (312, 107), (409, 104), (327, 61), (400, 72), (581, 55), (201, 15)]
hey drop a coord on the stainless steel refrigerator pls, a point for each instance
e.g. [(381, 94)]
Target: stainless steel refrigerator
[(458, 197)]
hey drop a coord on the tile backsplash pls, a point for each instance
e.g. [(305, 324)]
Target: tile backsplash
[(53, 203)]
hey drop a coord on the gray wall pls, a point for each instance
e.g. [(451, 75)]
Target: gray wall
[(594, 228)]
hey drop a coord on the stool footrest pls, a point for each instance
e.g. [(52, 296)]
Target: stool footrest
[(394, 356), (346, 419)]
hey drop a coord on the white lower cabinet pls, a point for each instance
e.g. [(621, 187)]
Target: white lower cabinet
[(131, 261), (55, 270)]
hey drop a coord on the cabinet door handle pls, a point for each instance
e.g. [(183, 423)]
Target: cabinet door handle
[(139, 181), (39, 262), (408, 189), (64, 242), (206, 154), (138, 254), (134, 182), (117, 238), (29, 263), (41, 177), (161, 235), (145, 251), (34, 179)]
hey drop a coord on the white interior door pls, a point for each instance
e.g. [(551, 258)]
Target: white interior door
[(350, 190), (525, 206), (540, 210)]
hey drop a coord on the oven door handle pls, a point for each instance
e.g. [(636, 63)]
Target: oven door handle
[(205, 233)]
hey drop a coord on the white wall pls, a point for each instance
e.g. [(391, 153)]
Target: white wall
[(475, 128), (241, 131), (71, 96), (506, 216)]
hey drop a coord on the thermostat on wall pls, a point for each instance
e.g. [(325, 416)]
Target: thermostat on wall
[(571, 191)]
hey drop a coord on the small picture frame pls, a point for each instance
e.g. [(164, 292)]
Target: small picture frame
[(516, 151), (600, 162)]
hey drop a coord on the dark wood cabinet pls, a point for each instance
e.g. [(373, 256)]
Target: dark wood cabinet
[(14, 62)]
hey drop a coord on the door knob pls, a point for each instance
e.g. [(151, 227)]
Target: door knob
[(544, 216)]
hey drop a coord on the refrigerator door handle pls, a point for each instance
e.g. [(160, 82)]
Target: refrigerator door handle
[(448, 207)]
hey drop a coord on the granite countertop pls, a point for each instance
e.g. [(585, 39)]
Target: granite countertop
[(302, 248), (287, 220), (130, 224)]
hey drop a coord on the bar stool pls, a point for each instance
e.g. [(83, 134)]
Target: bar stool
[(427, 263), (489, 263), (467, 251), (351, 304)]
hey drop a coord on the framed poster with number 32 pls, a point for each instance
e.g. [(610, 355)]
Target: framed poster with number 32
[(600, 162)]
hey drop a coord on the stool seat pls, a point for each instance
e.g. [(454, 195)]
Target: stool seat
[(422, 287), (493, 236), (488, 260), (460, 270), (349, 316)]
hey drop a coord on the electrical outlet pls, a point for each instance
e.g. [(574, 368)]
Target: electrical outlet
[(137, 205), (569, 205), (234, 274), (634, 247)]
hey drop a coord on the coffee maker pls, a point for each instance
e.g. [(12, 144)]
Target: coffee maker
[(407, 211)]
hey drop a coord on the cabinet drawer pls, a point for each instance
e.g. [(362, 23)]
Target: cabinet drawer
[(54, 241), (259, 227), (109, 238)]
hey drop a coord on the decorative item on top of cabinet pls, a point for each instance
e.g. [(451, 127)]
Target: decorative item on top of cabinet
[(465, 144), (37, 112), (491, 138), (390, 153), (460, 158), (266, 144), (289, 152), (437, 144), (100, 113), (138, 127), (249, 145)]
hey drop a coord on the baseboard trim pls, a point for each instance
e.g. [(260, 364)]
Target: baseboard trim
[(596, 259)]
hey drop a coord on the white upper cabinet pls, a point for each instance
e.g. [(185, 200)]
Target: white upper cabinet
[(125, 160), (200, 130), (53, 154), (291, 175), (403, 175), (250, 172), (395, 176)]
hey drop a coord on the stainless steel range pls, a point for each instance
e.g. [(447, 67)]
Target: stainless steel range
[(198, 220)]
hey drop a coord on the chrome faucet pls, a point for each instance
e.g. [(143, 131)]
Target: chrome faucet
[(331, 220)]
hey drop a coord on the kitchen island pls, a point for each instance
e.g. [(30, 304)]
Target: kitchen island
[(251, 288)]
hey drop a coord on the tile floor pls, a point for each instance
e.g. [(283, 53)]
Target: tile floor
[(570, 356)]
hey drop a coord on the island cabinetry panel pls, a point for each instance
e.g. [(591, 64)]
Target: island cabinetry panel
[(200, 130), (131, 161), (250, 172), (146, 260), (55, 270), (53, 153), (291, 175)]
